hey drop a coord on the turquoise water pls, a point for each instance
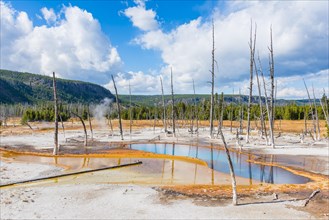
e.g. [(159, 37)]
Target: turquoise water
[(216, 159)]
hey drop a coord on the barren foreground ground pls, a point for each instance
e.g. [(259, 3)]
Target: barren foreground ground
[(89, 197)]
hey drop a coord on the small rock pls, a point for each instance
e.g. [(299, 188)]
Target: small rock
[(275, 196), (7, 202), (25, 200)]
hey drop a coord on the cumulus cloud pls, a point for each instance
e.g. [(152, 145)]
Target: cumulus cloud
[(75, 47), (140, 83), (141, 17), (49, 15), (300, 35)]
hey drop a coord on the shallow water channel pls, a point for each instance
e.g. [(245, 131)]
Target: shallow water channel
[(216, 160)]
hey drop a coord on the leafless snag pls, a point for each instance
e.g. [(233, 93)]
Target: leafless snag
[(164, 108), (252, 46), (262, 121), (60, 118), (130, 108), (267, 105), (325, 109), (311, 109), (211, 118), (56, 147), (221, 112), (27, 124), (316, 115), (118, 105), (271, 62), (84, 127), (310, 197), (240, 114), (235, 197), (90, 126), (172, 104)]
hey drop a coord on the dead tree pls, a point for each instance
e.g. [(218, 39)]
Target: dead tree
[(269, 116), (252, 46), (84, 126), (305, 120), (221, 112), (260, 102), (211, 118), (324, 107), (118, 105), (130, 108), (60, 118), (90, 126), (240, 113), (27, 124), (271, 120), (56, 147), (235, 197), (316, 114), (195, 111), (311, 108), (172, 104), (155, 115), (164, 107), (110, 122), (231, 113)]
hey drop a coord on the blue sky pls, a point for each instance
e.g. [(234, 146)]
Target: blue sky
[(139, 41)]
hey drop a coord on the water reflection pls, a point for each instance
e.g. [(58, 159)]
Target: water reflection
[(216, 160), (168, 171)]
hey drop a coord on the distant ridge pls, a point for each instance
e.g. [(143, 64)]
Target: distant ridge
[(19, 87)]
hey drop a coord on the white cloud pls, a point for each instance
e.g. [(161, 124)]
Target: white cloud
[(300, 35), (140, 83), (142, 18), (49, 15), (74, 48)]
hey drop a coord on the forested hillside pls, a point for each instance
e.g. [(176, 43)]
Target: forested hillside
[(152, 100), (18, 87)]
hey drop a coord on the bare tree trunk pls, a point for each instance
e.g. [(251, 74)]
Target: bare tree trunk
[(56, 147), (274, 102), (325, 110), (267, 105), (212, 82), (155, 115), (196, 112), (272, 88), (164, 108), (231, 113), (260, 102), (305, 121), (252, 45), (84, 127), (235, 197), (119, 110), (316, 114), (111, 126), (90, 126), (60, 117), (221, 112), (172, 104), (240, 114), (311, 107), (130, 115)]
